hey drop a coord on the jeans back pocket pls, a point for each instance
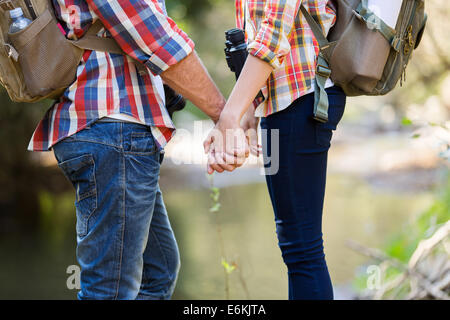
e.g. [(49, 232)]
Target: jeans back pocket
[(142, 142), (81, 173)]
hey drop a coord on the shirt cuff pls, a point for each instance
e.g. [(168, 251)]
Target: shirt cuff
[(259, 50), (178, 47)]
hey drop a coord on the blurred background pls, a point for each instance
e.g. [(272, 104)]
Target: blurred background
[(387, 207)]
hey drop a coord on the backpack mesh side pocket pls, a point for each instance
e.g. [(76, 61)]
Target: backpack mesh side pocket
[(48, 61)]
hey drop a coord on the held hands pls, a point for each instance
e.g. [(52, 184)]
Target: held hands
[(230, 142), (234, 136)]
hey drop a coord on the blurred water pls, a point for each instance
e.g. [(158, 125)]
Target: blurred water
[(34, 266)]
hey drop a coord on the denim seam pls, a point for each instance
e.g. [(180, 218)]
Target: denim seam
[(73, 139), (88, 194), (162, 251), (124, 219), (291, 158), (96, 202), (165, 294), (140, 153)]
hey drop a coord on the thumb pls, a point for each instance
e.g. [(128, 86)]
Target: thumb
[(252, 137), (207, 143)]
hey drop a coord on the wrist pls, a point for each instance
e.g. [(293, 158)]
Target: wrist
[(230, 117), (216, 108)]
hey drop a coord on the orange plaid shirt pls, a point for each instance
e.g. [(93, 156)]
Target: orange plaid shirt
[(278, 34)]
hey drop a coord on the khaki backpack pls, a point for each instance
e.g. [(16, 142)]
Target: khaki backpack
[(39, 62), (362, 54)]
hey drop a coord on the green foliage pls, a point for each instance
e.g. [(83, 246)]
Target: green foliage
[(215, 195), (402, 245), (189, 9), (229, 268), (406, 122)]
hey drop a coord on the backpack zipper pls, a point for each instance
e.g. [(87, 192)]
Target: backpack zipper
[(410, 6), (409, 42)]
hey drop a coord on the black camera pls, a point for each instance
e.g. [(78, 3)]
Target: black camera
[(236, 52), (174, 101)]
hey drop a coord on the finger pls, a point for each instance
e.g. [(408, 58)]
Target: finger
[(243, 147), (241, 152), (252, 137), (217, 168), (240, 148), (213, 163), (209, 169), (207, 143), (234, 161), (223, 163)]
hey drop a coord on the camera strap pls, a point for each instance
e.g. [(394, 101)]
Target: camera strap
[(245, 16)]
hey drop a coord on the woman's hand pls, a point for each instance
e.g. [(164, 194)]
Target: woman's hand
[(226, 145), (249, 123)]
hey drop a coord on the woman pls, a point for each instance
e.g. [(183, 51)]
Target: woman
[(282, 61)]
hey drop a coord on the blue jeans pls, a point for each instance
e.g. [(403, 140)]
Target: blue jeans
[(297, 191), (125, 244)]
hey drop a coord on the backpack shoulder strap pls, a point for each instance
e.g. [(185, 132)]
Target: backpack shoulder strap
[(323, 71), (315, 27), (373, 22), (90, 41)]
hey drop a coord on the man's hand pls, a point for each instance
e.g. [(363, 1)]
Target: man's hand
[(226, 146), (253, 77)]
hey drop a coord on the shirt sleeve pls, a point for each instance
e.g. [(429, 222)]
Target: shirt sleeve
[(144, 32), (271, 43)]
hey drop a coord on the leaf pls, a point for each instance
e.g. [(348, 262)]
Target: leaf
[(215, 190), (406, 121), (228, 268), (215, 207), (215, 194), (416, 135)]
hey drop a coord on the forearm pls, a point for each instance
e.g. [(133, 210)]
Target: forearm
[(190, 78), (144, 32), (253, 77)]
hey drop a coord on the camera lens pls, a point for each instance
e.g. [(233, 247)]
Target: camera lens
[(235, 36)]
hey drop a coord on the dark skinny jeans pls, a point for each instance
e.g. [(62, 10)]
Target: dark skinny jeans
[(297, 191)]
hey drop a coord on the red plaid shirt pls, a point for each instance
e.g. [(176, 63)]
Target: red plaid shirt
[(278, 34), (109, 84)]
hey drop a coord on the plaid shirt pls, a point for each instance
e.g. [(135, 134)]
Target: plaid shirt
[(109, 84), (278, 34)]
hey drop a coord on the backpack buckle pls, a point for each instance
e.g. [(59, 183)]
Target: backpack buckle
[(396, 43), (11, 51), (323, 71), (320, 118), (7, 5)]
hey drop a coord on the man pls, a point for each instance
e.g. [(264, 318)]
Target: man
[(108, 131)]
